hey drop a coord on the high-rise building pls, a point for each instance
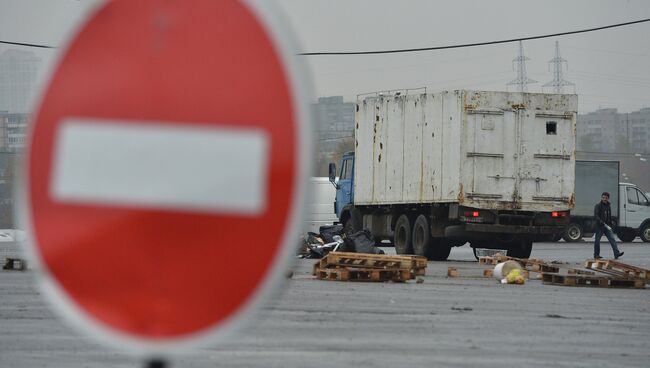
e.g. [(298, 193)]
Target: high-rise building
[(17, 80), (13, 131), (607, 130), (597, 130), (334, 125), (635, 127)]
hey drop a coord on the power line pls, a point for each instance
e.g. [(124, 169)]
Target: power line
[(414, 49), (473, 44), (27, 44)]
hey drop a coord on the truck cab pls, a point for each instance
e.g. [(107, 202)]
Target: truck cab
[(634, 213), (344, 186)]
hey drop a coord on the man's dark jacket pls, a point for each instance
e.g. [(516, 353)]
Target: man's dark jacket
[(603, 214)]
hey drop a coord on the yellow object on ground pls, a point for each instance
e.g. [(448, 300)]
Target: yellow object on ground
[(515, 277)]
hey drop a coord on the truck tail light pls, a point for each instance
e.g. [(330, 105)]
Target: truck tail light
[(471, 216), (559, 214)]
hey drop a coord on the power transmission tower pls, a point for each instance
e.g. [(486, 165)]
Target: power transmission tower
[(522, 79), (558, 81)]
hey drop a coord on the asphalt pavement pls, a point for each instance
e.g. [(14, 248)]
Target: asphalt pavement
[(467, 321)]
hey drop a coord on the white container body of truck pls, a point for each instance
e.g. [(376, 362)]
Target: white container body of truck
[(481, 149), (436, 170)]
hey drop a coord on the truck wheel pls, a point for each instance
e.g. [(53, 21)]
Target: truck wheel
[(520, 249), (402, 239), (421, 236), (626, 235), (645, 233), (572, 233), (439, 250)]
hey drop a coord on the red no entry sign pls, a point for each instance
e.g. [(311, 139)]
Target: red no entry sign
[(165, 167)]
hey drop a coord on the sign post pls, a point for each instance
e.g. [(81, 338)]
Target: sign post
[(166, 170)]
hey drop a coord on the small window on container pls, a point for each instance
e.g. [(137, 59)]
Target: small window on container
[(551, 127)]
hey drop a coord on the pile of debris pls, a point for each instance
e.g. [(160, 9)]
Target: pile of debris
[(598, 272), (345, 266), (333, 238)]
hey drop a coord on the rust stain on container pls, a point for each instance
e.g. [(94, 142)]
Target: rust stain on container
[(461, 194)]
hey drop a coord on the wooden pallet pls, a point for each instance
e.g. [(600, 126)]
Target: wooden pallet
[(416, 264), (376, 275), (487, 261), (542, 267), (618, 269), (591, 281), (493, 260), (577, 271)]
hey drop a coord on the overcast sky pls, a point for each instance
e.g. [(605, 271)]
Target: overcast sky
[(611, 68)]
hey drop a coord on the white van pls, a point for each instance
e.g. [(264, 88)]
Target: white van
[(320, 204), (634, 213)]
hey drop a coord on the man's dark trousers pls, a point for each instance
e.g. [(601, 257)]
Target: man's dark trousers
[(610, 236)]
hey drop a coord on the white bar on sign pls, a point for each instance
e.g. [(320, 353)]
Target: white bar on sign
[(161, 165)]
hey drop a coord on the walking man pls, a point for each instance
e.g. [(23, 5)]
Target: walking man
[(603, 215)]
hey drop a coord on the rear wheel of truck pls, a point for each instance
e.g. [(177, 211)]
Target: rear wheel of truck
[(645, 233), (402, 236), (572, 233), (520, 249), (421, 237), (626, 235)]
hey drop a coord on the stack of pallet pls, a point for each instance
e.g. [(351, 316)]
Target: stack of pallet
[(536, 265), (610, 274), (344, 266)]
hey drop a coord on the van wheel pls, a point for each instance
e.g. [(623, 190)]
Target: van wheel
[(520, 249), (402, 236), (421, 237), (626, 235), (645, 233), (572, 233)]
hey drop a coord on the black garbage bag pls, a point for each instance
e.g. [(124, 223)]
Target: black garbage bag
[(327, 232), (361, 242), (313, 238)]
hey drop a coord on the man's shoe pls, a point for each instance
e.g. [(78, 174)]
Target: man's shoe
[(598, 257), (619, 255)]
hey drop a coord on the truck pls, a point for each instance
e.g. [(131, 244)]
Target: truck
[(431, 171), (630, 205)]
